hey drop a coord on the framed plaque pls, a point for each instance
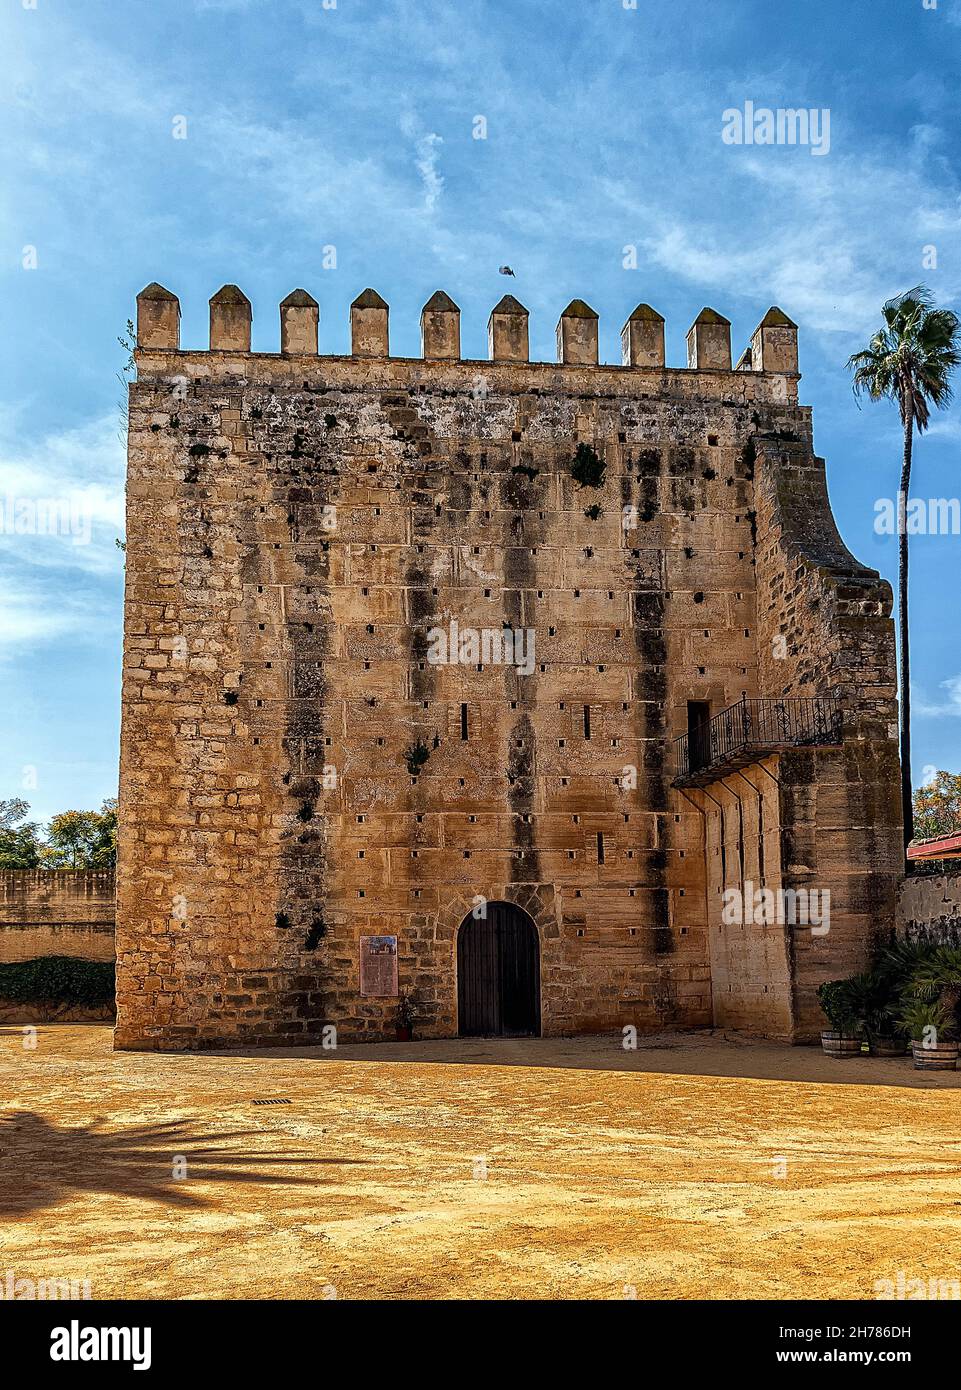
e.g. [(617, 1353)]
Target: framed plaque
[(378, 967)]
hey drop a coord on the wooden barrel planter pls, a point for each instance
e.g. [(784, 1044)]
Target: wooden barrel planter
[(888, 1047), (841, 1044), (944, 1057)]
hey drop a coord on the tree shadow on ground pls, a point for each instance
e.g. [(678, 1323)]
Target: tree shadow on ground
[(683, 1053), (40, 1163)]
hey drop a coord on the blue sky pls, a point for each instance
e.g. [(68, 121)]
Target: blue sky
[(309, 126)]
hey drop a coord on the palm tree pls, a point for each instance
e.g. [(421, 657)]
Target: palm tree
[(909, 361)]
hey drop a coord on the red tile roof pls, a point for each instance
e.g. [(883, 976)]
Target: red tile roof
[(944, 847)]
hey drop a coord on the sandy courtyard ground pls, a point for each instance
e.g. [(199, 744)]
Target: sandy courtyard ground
[(697, 1167)]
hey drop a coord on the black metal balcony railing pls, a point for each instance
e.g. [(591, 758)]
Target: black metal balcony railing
[(752, 729)]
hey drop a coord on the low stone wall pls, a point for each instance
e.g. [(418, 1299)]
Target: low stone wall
[(32, 1014), (929, 907), (55, 912)]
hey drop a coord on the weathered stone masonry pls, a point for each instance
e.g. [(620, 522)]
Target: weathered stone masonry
[(929, 906), (297, 524), (56, 912)]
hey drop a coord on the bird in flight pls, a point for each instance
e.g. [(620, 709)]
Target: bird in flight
[(506, 270)]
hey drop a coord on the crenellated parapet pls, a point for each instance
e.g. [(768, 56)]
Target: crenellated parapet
[(230, 320), (299, 323), (642, 338), (773, 348), (158, 318), (709, 342), (440, 328), (577, 335), (507, 336)]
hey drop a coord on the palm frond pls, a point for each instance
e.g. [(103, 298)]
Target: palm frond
[(907, 307), (911, 358)]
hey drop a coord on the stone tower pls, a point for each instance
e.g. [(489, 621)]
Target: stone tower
[(486, 683)]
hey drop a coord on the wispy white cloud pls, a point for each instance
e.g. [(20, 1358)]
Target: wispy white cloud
[(949, 705), (25, 621), (61, 498), (61, 512), (816, 236), (427, 160), (819, 238), (944, 427)]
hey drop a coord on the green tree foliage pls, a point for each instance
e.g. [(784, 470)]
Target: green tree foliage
[(61, 980), (82, 839), (937, 807), (910, 361), (19, 838)]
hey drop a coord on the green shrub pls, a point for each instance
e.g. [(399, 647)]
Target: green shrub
[(918, 1016), (839, 1006), (873, 1000), (58, 980), (939, 977), (911, 986), (895, 965)]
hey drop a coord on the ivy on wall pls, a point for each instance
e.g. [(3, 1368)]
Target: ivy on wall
[(63, 980)]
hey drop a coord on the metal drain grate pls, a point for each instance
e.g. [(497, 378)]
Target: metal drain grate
[(272, 1101)]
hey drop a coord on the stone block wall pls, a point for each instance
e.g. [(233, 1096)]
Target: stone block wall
[(929, 907), (823, 820), (298, 528), (825, 623), (56, 912), (750, 960)]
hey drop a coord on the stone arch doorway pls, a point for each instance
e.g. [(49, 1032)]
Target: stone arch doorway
[(499, 974)]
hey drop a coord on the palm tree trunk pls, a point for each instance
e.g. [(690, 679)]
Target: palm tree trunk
[(907, 796)]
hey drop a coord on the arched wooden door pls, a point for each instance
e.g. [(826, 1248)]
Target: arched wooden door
[(498, 974)]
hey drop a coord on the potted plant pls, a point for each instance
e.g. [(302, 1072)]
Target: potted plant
[(891, 975), (895, 964), (872, 996), (885, 1032), (843, 1038), (933, 1032), (939, 977), (406, 1015)]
